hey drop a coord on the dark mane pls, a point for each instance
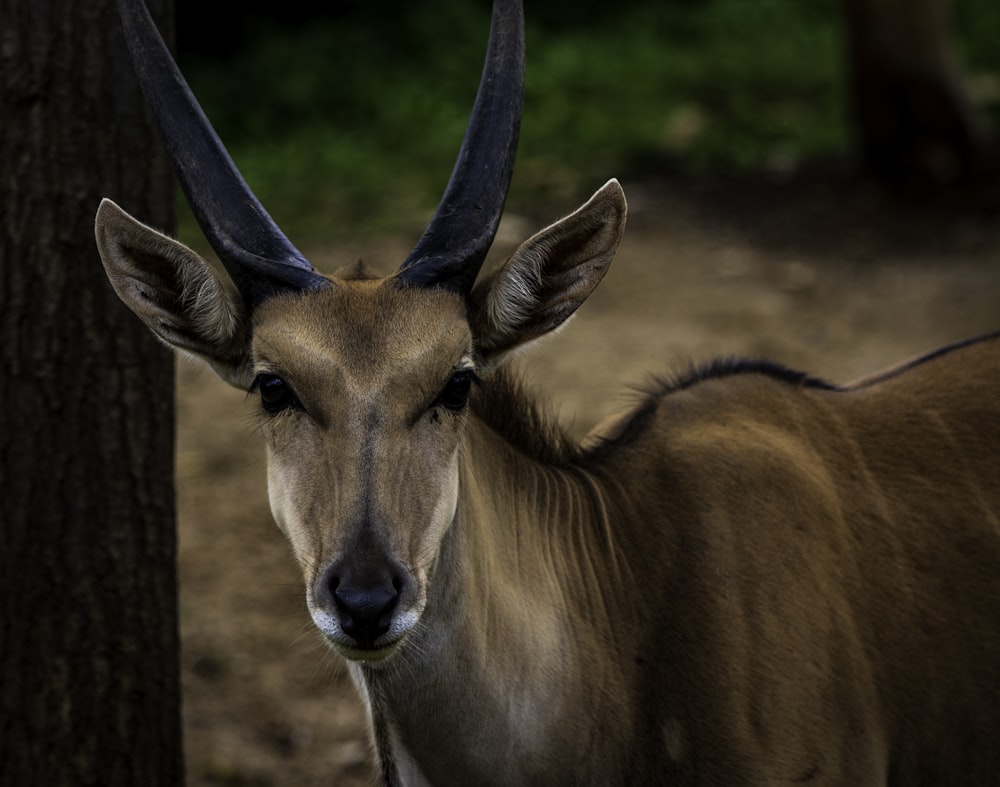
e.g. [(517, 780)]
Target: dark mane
[(913, 363), (503, 403), (726, 367), (650, 395)]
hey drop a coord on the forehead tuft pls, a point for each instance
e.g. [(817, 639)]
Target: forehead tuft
[(362, 326)]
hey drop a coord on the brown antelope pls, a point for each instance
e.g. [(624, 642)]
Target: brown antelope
[(752, 577)]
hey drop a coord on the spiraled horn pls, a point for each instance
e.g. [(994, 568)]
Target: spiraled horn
[(454, 245), (260, 259)]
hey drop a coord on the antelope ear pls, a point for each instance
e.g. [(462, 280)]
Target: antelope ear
[(548, 277), (175, 292)]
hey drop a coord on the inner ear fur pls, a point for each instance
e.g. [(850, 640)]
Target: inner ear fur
[(548, 277), (179, 296)]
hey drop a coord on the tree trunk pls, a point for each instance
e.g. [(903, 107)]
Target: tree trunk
[(89, 647), (913, 117)]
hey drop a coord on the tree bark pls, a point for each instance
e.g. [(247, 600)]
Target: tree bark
[(89, 646), (913, 117)]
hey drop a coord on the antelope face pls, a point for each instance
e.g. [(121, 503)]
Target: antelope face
[(361, 391), (361, 384)]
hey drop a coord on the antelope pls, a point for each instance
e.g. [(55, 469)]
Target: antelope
[(751, 577)]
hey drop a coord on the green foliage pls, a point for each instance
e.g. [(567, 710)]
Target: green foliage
[(978, 27), (724, 83), (351, 125)]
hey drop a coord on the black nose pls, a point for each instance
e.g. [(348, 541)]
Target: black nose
[(364, 599)]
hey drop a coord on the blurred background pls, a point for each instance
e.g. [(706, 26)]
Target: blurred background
[(346, 117)]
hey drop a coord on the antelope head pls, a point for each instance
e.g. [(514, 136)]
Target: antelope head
[(361, 383)]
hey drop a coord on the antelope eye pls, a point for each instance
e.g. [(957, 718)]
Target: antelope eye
[(275, 394), (455, 395)]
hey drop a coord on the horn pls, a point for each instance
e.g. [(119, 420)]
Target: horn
[(453, 247), (261, 261)]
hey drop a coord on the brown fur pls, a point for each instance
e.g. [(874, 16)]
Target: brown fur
[(750, 578), (504, 404)]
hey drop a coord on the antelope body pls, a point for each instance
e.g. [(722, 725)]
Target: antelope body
[(753, 577)]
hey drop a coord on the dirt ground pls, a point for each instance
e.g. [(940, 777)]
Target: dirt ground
[(828, 275)]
